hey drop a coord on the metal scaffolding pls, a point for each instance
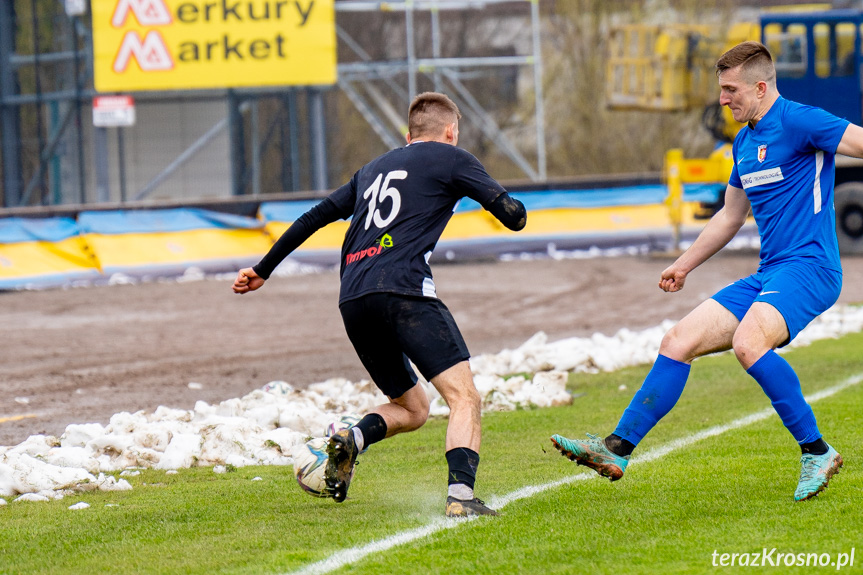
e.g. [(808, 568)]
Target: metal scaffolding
[(378, 89), (444, 72)]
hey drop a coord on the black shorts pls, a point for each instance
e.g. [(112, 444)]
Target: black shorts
[(388, 329)]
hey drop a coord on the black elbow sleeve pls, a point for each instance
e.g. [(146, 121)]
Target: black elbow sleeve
[(509, 211)]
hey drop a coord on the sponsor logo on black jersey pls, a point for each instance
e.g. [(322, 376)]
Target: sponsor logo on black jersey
[(382, 243)]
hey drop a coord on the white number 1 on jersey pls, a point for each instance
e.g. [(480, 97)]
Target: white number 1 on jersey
[(379, 195)]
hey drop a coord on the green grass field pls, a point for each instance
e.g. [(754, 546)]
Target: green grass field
[(731, 494)]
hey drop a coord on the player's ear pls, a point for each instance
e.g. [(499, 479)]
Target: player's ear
[(449, 133), (408, 137)]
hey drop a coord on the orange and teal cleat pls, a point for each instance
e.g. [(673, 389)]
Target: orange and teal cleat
[(815, 473), (593, 453)]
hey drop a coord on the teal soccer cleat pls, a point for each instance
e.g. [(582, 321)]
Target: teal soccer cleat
[(592, 453), (815, 473)]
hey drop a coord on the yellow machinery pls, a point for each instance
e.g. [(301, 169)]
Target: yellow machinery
[(653, 67), (678, 171), (670, 68), (818, 54), (667, 67)]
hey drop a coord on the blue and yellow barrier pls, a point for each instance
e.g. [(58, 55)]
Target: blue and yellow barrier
[(599, 211), (550, 214), (43, 252), (98, 244), (162, 241), (278, 216)]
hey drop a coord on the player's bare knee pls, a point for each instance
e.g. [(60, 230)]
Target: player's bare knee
[(465, 398), (415, 404), (415, 421), (747, 349), (475, 401), (420, 413), (744, 355), (675, 346)]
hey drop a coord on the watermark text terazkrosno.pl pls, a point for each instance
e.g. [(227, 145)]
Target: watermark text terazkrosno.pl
[(775, 558)]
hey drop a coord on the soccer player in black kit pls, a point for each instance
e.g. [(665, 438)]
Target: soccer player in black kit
[(401, 203)]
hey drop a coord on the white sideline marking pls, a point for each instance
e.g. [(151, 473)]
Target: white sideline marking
[(348, 556)]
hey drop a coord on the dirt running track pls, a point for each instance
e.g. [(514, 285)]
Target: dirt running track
[(81, 355)]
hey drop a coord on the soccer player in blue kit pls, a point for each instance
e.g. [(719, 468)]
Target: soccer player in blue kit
[(400, 204), (784, 171)]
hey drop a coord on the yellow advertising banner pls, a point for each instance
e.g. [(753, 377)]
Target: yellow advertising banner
[(194, 44)]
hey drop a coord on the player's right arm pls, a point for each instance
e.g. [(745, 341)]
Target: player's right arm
[(721, 228), (338, 205), (247, 280)]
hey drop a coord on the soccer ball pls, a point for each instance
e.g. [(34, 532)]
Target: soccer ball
[(344, 422), (310, 464)]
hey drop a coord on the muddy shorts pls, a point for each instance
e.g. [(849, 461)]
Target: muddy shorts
[(388, 331)]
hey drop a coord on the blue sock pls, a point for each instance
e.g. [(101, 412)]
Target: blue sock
[(658, 394), (782, 386)]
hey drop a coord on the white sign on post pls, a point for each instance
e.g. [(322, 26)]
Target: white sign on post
[(113, 111), (76, 7)]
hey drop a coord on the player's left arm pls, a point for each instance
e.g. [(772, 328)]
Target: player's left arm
[(851, 143), (470, 175), (509, 211)]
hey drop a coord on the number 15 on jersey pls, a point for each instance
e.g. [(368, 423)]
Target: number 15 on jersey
[(378, 194)]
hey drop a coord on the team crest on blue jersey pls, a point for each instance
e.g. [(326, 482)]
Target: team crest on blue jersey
[(762, 152)]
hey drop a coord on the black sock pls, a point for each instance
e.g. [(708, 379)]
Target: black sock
[(817, 447), (373, 428), (619, 446), (462, 463)]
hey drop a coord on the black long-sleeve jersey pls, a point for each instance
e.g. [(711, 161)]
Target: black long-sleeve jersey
[(400, 204)]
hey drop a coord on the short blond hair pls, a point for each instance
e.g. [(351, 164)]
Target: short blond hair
[(430, 113), (754, 60)]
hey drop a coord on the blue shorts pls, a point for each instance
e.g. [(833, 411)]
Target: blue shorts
[(800, 291)]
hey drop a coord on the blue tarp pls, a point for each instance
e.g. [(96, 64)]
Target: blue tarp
[(155, 221), (285, 211), (609, 197), (17, 230)]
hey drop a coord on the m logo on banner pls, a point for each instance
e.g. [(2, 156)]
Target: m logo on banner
[(147, 12), (201, 44), (151, 54)]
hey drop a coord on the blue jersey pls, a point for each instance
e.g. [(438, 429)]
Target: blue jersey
[(786, 167), (401, 202)]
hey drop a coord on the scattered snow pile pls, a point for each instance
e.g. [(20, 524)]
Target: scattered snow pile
[(626, 348), (288, 267), (835, 322), (596, 353), (262, 427), (258, 429)]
